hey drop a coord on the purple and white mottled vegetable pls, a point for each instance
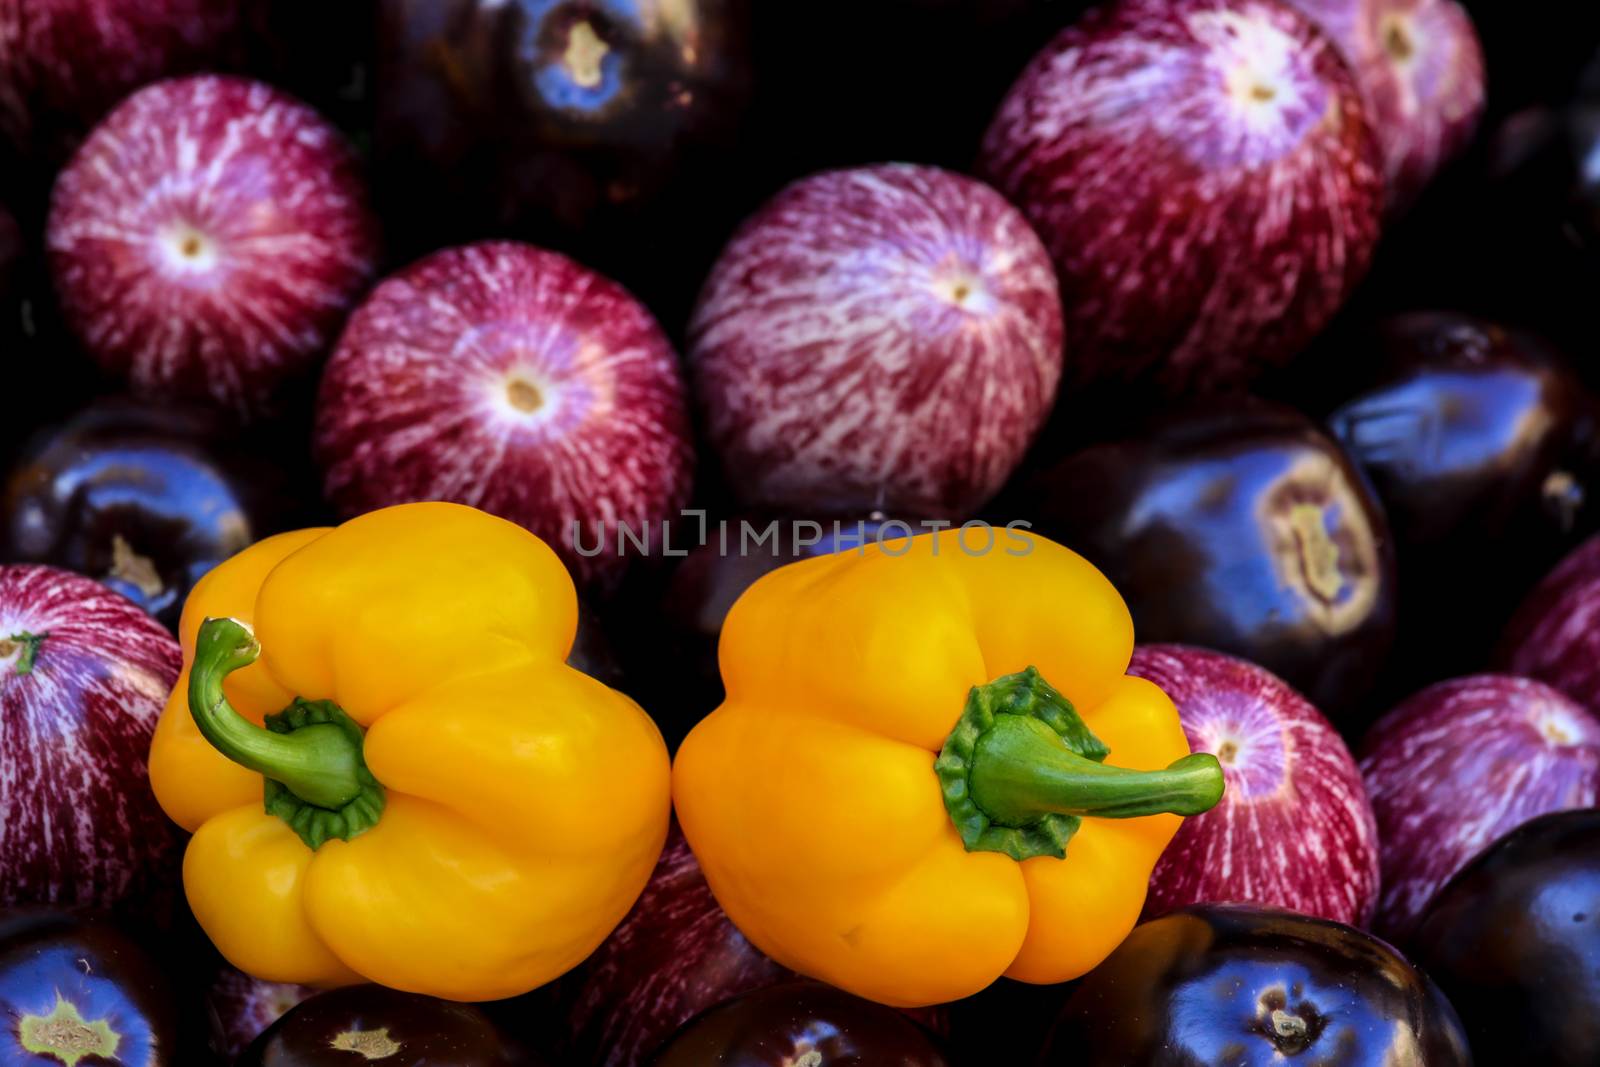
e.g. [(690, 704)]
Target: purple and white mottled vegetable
[(1420, 68), (1294, 828), (1206, 178), (242, 1007), (65, 63), (882, 338), (208, 239), (1458, 766), (83, 676), (675, 955), (1554, 635), (514, 380)]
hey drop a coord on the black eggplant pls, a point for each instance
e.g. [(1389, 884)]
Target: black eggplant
[(77, 991), (598, 127), (1514, 940), (1473, 433), (145, 499), (801, 1023), (1248, 986), (1481, 441), (1238, 526), (371, 1024)]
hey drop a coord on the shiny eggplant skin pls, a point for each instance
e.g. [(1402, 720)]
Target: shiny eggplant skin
[(1241, 527), (563, 121), (1247, 986), (801, 1023), (1514, 940), (140, 498), (1480, 440), (1474, 434), (368, 1023), (1476, 437), (74, 986)]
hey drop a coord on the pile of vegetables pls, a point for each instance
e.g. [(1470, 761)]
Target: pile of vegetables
[(931, 533)]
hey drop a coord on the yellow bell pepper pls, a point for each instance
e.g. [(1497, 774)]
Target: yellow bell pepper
[(438, 803), (894, 799)]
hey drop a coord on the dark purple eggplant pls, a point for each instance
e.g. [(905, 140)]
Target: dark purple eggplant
[(674, 956), (591, 126), (144, 499), (368, 1023), (801, 1023), (77, 991), (1480, 441), (1514, 940), (83, 677), (1474, 435), (1249, 986), (1241, 527)]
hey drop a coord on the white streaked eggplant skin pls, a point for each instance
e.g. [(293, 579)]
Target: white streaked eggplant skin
[(1208, 182), (880, 338), (1294, 828), (1554, 635), (84, 674), (1460, 765)]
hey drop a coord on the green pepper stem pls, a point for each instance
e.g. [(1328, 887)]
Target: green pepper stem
[(317, 763), (1021, 771)]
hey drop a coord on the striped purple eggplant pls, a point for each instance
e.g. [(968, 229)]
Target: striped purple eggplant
[(514, 380), (83, 675), (885, 338), (1206, 177), (1554, 635), (208, 241), (1420, 68), (1461, 764), (242, 1007), (674, 956), (1294, 828)]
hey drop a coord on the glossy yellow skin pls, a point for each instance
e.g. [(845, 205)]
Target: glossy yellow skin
[(810, 797), (526, 802)]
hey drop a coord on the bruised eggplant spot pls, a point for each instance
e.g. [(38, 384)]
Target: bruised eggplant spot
[(66, 1035), (1291, 1030), (137, 570), (585, 54), (372, 1044), (1323, 544), (1318, 554)]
